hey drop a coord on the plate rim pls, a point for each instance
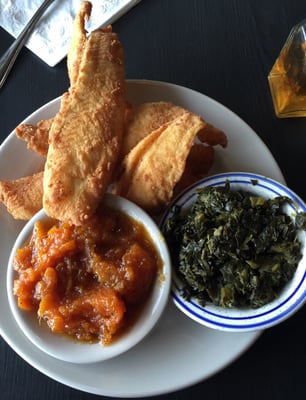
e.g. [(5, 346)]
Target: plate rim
[(253, 336)]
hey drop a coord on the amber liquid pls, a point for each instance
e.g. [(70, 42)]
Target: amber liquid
[(289, 96)]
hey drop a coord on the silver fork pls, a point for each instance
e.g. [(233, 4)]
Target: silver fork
[(9, 57)]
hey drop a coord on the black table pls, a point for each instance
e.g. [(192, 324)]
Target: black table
[(224, 49)]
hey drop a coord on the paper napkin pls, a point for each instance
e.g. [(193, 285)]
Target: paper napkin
[(50, 39)]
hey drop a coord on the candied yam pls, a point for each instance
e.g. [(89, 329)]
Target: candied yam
[(21, 289), (80, 280), (96, 315), (139, 269)]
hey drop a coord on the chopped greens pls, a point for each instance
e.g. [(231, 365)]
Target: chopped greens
[(234, 249)]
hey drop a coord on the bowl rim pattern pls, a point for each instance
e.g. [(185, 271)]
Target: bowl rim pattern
[(240, 319)]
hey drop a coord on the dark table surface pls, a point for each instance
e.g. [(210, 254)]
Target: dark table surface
[(224, 49)]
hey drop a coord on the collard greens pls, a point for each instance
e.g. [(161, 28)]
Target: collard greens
[(234, 249)]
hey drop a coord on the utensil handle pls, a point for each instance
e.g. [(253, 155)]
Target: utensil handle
[(9, 57)]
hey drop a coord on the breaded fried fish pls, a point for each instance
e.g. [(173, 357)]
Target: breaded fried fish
[(154, 166), (86, 134), (141, 120), (146, 118), (199, 161), (36, 136), (78, 41), (166, 160), (23, 196)]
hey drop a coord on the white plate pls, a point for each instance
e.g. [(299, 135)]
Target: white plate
[(178, 352)]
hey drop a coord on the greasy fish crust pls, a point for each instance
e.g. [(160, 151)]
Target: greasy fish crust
[(78, 41), (141, 120), (86, 135), (168, 159), (23, 196), (146, 118), (36, 136), (155, 165)]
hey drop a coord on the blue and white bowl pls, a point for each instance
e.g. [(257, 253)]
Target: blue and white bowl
[(292, 296)]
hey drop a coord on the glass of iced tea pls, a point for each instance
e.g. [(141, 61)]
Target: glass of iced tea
[(287, 78)]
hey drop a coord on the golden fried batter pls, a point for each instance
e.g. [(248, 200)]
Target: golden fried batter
[(151, 147), (155, 165), (212, 136), (199, 161), (146, 118), (23, 196), (78, 41), (167, 160), (36, 136), (140, 120), (86, 134)]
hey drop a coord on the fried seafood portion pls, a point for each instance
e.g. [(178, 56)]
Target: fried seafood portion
[(36, 136), (212, 136), (199, 161), (78, 41), (23, 197), (146, 118), (86, 135), (152, 169), (141, 121), (149, 152)]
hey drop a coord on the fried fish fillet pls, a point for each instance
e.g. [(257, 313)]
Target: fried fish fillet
[(140, 120), (199, 161), (36, 136), (146, 118), (213, 136), (78, 41), (23, 196), (168, 160), (86, 134), (154, 166)]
